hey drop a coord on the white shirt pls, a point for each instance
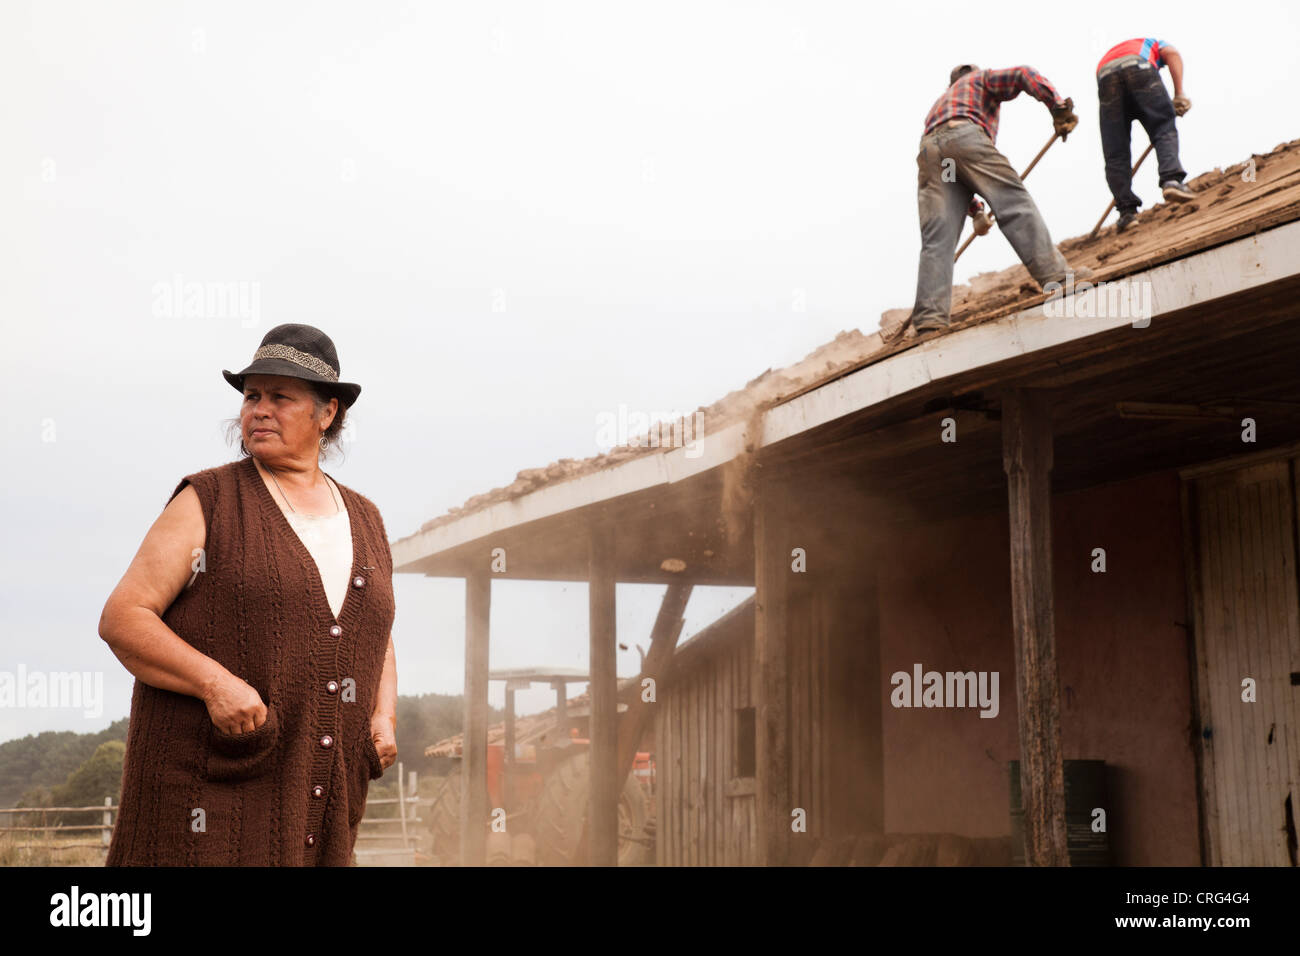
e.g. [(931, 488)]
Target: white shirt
[(329, 540)]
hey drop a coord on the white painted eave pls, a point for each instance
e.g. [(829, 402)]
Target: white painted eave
[(1198, 279)]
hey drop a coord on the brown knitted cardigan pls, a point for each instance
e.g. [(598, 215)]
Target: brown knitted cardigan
[(293, 791)]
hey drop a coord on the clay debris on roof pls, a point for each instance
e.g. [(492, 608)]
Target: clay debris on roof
[(767, 389), (1258, 193)]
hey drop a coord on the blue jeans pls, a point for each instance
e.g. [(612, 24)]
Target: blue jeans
[(1136, 93), (943, 194)]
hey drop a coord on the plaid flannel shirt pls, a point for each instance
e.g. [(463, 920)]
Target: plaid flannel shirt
[(978, 96)]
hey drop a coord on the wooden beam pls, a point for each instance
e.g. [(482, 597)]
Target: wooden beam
[(561, 710), (1206, 801), (602, 814), (1027, 458), (658, 660), (1170, 410), (772, 577), (658, 663), (1225, 411), (889, 442), (508, 764), (474, 792)]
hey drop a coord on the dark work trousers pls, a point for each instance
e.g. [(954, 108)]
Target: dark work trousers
[(1136, 93)]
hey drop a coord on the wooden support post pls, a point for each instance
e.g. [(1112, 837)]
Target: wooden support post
[(602, 813), (1027, 458), (474, 794), (401, 806), (508, 765), (772, 582), (561, 711), (657, 664)]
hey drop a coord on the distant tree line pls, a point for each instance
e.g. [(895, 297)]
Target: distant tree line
[(67, 769)]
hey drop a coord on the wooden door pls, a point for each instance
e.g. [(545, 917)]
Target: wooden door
[(1247, 626)]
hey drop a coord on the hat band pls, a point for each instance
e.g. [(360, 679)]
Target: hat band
[(291, 354)]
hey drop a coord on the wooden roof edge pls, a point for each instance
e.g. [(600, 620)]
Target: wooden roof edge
[(876, 378)]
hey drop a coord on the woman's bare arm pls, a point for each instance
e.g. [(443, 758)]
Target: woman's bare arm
[(383, 720), (132, 626)]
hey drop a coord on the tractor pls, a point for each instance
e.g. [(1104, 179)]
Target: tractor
[(544, 789)]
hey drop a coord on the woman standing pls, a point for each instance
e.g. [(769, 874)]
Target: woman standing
[(256, 618)]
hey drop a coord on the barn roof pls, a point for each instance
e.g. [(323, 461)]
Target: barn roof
[(1252, 198)]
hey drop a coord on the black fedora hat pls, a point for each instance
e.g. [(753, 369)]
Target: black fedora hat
[(298, 351)]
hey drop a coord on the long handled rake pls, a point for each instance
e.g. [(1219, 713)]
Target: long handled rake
[(1111, 205)]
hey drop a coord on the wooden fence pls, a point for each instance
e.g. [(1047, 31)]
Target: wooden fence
[(42, 814), (400, 840), (381, 845)]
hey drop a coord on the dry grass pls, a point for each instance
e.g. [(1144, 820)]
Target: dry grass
[(50, 849)]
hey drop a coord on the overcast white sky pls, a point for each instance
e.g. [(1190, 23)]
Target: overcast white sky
[(511, 218)]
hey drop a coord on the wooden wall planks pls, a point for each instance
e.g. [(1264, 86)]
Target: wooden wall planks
[(1247, 626)]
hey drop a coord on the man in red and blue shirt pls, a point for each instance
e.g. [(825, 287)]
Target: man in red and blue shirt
[(957, 160), (1129, 88)]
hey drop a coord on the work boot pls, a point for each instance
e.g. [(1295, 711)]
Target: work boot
[(1126, 218), (931, 326), (1077, 273), (1174, 191)]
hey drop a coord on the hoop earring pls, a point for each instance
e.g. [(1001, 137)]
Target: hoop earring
[(324, 442)]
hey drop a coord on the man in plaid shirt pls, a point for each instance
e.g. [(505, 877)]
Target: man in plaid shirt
[(958, 160)]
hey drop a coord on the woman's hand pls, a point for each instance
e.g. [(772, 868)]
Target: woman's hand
[(234, 706), (383, 733)]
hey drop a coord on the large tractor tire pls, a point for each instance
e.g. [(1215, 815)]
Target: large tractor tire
[(561, 810), (444, 820)]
